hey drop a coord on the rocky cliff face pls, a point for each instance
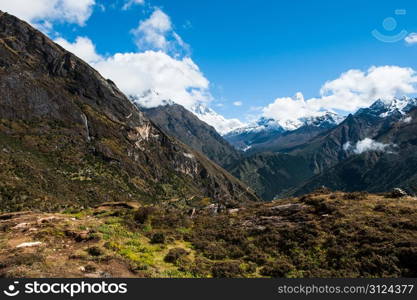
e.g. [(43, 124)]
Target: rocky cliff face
[(67, 135)]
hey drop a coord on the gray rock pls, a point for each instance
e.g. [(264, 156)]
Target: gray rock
[(398, 193)]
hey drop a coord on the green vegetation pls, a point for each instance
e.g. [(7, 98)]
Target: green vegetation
[(323, 234)]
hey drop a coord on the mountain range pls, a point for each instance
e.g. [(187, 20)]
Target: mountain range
[(277, 160), (94, 184), (47, 92), (272, 135)]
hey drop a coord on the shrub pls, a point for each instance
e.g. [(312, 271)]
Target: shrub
[(175, 254), (95, 251), (143, 214), (277, 269), (158, 238), (227, 270), (214, 251), (355, 196), (27, 259)]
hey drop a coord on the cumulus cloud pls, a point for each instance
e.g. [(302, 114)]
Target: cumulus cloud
[(148, 75), (354, 89), (158, 73), (83, 47), (129, 3), (156, 33), (42, 13), (407, 119), (148, 78), (411, 38), (367, 145), (289, 108), (370, 145), (237, 103), (179, 80)]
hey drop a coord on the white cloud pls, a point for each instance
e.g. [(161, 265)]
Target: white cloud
[(42, 13), (148, 77), (137, 74), (367, 145), (407, 119), (129, 3), (156, 33), (352, 90), (347, 146), (370, 145), (288, 108), (411, 38), (237, 103), (83, 47), (179, 80), (157, 75)]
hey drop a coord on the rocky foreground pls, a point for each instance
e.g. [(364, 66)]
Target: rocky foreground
[(323, 234)]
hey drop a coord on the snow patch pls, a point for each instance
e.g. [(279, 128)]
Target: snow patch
[(347, 146), (188, 155), (220, 123), (246, 148), (29, 244), (400, 105)]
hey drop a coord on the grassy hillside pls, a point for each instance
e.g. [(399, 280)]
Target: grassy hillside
[(323, 234)]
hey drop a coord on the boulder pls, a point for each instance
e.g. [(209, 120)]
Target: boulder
[(398, 193)]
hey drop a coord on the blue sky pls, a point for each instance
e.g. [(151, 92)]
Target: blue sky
[(254, 52)]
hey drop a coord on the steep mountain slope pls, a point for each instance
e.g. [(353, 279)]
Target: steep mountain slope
[(271, 173), (70, 137), (328, 149), (152, 98), (178, 122), (344, 149)]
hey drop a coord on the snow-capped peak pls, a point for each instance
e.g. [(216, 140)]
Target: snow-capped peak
[(326, 120), (400, 105), (323, 120), (263, 124), (152, 98), (389, 107), (220, 123)]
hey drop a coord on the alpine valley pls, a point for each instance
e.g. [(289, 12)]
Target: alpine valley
[(94, 184), (371, 150)]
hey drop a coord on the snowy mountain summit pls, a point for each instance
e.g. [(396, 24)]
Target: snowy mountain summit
[(392, 107), (151, 98), (323, 120)]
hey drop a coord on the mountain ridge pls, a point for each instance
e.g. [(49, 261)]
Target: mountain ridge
[(179, 122), (61, 120)]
